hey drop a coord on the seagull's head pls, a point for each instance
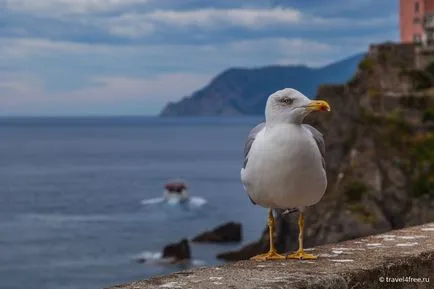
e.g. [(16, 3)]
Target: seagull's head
[(291, 106)]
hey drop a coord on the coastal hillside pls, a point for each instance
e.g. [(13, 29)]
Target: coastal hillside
[(379, 153), (241, 91)]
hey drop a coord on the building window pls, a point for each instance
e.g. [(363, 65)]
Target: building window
[(430, 36), (416, 7), (417, 38), (429, 21), (416, 20)]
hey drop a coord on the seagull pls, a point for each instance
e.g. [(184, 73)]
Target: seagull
[(284, 163)]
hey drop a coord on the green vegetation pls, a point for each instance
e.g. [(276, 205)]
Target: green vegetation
[(414, 101), (430, 68), (367, 65), (355, 190), (374, 92), (422, 159), (362, 213), (407, 149), (421, 78), (428, 114)]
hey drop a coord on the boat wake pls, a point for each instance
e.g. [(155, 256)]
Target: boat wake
[(156, 258), (152, 201), (192, 202)]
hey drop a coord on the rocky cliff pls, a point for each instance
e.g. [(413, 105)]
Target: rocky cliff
[(244, 91), (380, 154)]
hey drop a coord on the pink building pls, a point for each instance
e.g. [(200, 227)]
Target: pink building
[(416, 19)]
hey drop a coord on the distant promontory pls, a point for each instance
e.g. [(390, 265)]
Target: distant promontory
[(242, 91)]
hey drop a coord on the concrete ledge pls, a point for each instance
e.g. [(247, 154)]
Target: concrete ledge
[(397, 259)]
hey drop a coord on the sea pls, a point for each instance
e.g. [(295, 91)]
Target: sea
[(81, 197)]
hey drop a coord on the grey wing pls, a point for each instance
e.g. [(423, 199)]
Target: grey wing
[(250, 139), (317, 136)]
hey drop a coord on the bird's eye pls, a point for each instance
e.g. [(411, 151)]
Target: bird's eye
[(287, 100)]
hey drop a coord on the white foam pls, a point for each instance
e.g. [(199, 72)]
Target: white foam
[(149, 256), (197, 201), (152, 201), (198, 262), (156, 258), (193, 201)]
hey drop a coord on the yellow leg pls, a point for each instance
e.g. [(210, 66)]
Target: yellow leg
[(272, 253), (300, 254)]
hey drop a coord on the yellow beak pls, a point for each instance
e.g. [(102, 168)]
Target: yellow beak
[(318, 105)]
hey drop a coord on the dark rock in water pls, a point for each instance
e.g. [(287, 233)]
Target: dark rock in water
[(178, 252), (229, 232), (141, 260), (247, 251)]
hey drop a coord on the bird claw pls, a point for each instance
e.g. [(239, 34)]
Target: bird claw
[(301, 255), (272, 255)]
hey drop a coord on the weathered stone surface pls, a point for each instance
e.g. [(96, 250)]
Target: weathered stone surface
[(228, 232), (371, 262)]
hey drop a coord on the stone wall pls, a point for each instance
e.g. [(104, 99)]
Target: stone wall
[(407, 55), (401, 54), (425, 55), (397, 259)]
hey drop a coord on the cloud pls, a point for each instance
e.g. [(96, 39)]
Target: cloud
[(132, 26), (165, 87), (136, 25), (207, 57), (345, 23), (132, 21), (16, 86), (58, 77), (247, 18), (106, 95), (115, 56), (280, 45), (65, 7), (23, 47)]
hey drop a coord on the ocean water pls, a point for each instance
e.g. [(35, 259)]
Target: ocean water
[(79, 196)]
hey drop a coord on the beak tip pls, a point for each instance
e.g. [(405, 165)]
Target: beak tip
[(323, 105), (319, 105)]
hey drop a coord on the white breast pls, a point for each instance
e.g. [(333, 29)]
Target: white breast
[(284, 169)]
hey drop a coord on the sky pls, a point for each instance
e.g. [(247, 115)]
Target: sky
[(131, 57)]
